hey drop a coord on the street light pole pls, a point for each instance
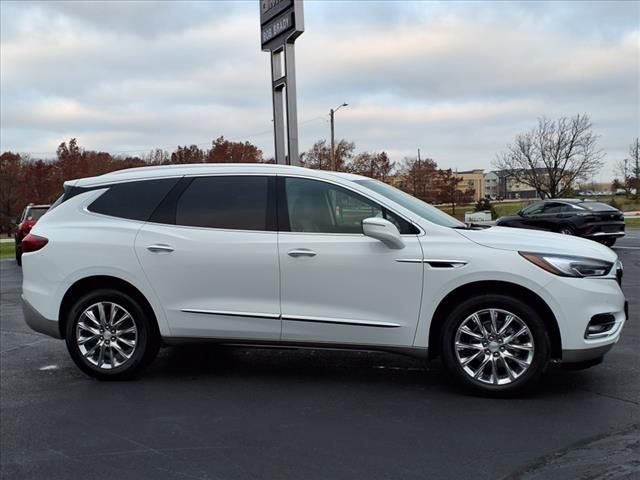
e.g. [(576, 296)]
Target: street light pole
[(332, 112)]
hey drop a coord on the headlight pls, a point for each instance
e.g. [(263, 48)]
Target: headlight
[(570, 266)]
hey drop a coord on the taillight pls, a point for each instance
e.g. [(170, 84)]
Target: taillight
[(33, 243)]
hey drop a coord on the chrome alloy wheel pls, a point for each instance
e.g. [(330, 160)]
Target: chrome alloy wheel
[(106, 335), (494, 346)]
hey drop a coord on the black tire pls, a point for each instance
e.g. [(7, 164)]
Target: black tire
[(566, 230), (526, 314), (147, 338), (19, 256), (609, 242)]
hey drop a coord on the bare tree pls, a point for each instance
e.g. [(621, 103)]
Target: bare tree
[(449, 190), (552, 156), (420, 178), (373, 165), (623, 172), (318, 156)]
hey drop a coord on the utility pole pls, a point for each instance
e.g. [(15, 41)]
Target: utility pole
[(419, 172), (332, 112), (332, 160)]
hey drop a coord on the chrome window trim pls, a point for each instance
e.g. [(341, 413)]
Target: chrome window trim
[(421, 231)]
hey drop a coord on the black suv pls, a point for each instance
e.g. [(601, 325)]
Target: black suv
[(588, 219)]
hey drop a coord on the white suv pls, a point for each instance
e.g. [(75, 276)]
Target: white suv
[(278, 255)]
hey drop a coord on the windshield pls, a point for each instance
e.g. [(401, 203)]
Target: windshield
[(34, 213), (423, 209)]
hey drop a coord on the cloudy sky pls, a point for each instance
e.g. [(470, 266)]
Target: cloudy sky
[(458, 80)]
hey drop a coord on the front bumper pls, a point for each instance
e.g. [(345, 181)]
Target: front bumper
[(575, 302), (39, 322), (584, 355)]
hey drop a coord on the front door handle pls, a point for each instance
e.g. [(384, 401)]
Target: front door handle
[(159, 248), (302, 252)]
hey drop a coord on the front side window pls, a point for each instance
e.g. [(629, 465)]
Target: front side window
[(533, 209), (316, 206), (229, 202)]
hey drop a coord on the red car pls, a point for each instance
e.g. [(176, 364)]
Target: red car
[(28, 219)]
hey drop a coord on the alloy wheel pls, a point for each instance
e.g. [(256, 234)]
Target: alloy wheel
[(106, 335), (494, 346)]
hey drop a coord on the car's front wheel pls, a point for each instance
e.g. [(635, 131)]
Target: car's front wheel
[(495, 344), (110, 336), (18, 256)]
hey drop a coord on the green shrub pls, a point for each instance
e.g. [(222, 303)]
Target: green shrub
[(484, 204)]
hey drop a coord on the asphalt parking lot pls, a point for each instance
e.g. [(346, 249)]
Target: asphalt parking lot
[(207, 412)]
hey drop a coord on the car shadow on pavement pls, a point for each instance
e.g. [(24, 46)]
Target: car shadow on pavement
[(292, 366)]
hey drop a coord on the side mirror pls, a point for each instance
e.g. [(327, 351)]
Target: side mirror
[(521, 214), (382, 230)]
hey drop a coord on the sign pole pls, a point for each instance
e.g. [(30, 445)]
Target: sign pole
[(278, 87), (292, 104), (281, 22)]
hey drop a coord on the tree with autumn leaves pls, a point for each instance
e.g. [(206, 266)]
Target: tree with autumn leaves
[(24, 180)]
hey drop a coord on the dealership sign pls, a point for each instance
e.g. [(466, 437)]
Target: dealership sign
[(281, 22)]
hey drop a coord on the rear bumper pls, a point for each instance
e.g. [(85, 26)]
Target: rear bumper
[(39, 322)]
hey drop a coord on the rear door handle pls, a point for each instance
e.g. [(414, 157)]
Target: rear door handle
[(159, 248), (302, 252)]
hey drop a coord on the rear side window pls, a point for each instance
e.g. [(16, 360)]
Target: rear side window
[(133, 200), (230, 202)]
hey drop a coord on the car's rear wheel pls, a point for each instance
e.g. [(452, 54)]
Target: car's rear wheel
[(18, 256), (609, 242), (495, 344), (566, 230), (110, 336)]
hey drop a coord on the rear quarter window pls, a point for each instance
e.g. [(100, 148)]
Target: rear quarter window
[(598, 207), (133, 200)]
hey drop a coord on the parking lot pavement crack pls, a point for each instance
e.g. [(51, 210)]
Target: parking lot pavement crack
[(613, 397), (18, 347), (18, 332), (609, 455)]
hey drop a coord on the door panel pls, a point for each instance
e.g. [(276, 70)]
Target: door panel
[(353, 290), (212, 258), (337, 285), (215, 283)]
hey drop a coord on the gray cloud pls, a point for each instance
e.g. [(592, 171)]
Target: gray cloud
[(458, 79)]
